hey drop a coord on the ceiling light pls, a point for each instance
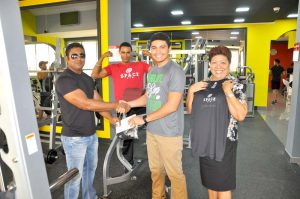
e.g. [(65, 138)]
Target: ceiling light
[(136, 38), (177, 12), (239, 20), (234, 33), (293, 15), (195, 33), (276, 9), (198, 37), (242, 9), (138, 25), (186, 22), (233, 37)]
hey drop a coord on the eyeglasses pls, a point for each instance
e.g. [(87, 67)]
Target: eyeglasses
[(75, 56)]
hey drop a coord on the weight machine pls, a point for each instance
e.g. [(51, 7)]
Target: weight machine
[(116, 145), (195, 67), (246, 77), (50, 106)]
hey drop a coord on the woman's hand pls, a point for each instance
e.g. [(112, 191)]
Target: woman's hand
[(227, 87), (198, 86), (190, 96)]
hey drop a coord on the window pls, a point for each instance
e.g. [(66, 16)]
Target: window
[(36, 53)]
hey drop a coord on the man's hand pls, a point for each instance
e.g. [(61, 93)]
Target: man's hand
[(114, 120), (107, 54), (136, 121), (122, 107), (104, 55), (146, 53)]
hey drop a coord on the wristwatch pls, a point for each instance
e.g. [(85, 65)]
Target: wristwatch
[(145, 120)]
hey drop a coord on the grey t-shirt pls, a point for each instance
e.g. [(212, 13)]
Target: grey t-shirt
[(76, 122), (160, 82)]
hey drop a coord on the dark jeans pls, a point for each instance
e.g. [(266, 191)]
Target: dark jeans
[(128, 144)]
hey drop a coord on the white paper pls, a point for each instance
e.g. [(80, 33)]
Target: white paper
[(124, 124), (31, 143)]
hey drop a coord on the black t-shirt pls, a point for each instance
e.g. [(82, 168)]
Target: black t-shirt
[(289, 71), (210, 120), (276, 73), (76, 122)]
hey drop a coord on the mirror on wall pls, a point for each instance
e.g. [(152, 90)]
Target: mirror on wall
[(235, 39)]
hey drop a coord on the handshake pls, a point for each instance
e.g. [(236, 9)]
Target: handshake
[(122, 107)]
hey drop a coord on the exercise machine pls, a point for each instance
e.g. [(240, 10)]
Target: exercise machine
[(130, 170), (246, 77), (23, 155), (50, 106), (195, 67)]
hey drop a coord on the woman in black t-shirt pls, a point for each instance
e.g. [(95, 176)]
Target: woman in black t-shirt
[(216, 106)]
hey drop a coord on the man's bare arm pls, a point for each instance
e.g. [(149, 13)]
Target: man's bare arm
[(98, 71), (79, 99)]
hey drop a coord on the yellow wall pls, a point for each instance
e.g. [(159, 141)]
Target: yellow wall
[(26, 3), (29, 29), (291, 35), (104, 47), (258, 43), (28, 23)]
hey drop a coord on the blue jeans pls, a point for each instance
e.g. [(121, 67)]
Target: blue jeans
[(81, 153)]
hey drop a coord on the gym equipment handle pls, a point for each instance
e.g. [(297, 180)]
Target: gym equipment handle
[(63, 179)]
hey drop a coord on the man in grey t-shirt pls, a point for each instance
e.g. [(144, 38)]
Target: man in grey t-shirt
[(163, 100)]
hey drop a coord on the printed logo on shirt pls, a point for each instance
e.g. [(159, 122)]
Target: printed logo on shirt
[(129, 74), (209, 98), (214, 85), (153, 89)]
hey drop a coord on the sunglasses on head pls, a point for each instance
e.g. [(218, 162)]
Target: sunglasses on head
[(75, 56)]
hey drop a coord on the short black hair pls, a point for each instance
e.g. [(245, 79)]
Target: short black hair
[(277, 61), (125, 44), (73, 45), (160, 36), (220, 50)]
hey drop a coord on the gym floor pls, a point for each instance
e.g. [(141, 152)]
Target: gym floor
[(263, 170)]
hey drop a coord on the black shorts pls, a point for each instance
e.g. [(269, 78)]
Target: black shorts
[(275, 84), (220, 175)]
